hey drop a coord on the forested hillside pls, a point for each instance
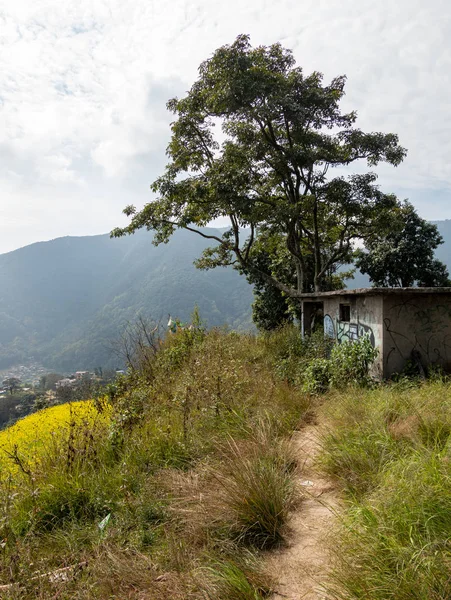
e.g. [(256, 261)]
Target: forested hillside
[(62, 302)]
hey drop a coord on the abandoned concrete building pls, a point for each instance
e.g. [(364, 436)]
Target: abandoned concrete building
[(403, 323)]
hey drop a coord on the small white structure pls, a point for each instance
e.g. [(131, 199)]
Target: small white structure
[(402, 323)]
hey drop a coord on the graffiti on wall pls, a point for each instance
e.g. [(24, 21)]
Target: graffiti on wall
[(426, 330), (329, 329), (351, 332)]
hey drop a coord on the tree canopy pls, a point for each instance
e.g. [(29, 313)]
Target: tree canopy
[(271, 165), (404, 255)]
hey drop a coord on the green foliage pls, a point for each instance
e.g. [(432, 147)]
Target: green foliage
[(351, 362), (282, 131), (404, 255), (63, 500), (49, 381), (292, 355), (348, 364), (359, 456), (272, 308), (318, 375)]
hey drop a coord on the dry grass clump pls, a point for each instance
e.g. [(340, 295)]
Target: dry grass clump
[(243, 495), (257, 491), (241, 578)]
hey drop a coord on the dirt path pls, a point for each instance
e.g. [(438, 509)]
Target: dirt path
[(301, 567)]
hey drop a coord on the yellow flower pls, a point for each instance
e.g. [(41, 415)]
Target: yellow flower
[(33, 435)]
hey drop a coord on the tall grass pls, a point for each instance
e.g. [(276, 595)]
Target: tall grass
[(391, 449), (258, 490)]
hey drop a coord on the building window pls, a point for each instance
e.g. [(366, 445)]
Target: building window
[(345, 313)]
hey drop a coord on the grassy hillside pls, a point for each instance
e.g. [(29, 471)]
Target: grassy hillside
[(63, 302), (180, 480), (176, 496)]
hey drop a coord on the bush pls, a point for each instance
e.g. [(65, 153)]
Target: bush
[(291, 354), (349, 363), (317, 376)]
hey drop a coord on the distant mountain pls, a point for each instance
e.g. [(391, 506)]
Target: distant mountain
[(443, 252), (62, 302)]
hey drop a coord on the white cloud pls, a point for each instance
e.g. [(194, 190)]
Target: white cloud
[(83, 87)]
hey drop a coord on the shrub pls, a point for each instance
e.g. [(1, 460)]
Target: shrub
[(291, 354), (348, 363), (351, 362), (317, 376)]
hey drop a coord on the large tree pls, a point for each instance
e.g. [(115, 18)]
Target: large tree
[(404, 255), (282, 136), (270, 255)]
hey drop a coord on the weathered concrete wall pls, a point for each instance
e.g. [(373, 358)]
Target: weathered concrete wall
[(421, 323), (366, 318)]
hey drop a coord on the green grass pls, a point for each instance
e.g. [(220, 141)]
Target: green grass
[(236, 580), (391, 450)]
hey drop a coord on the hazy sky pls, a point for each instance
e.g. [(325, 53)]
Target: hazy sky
[(83, 87)]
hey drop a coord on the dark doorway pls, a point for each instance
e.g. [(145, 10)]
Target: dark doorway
[(312, 317)]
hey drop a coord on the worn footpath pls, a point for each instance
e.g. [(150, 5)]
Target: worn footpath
[(301, 566)]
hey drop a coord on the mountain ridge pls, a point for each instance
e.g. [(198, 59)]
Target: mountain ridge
[(54, 293)]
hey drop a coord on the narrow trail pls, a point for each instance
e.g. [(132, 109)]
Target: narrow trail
[(301, 567)]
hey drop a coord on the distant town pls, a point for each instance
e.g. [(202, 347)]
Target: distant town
[(27, 388)]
